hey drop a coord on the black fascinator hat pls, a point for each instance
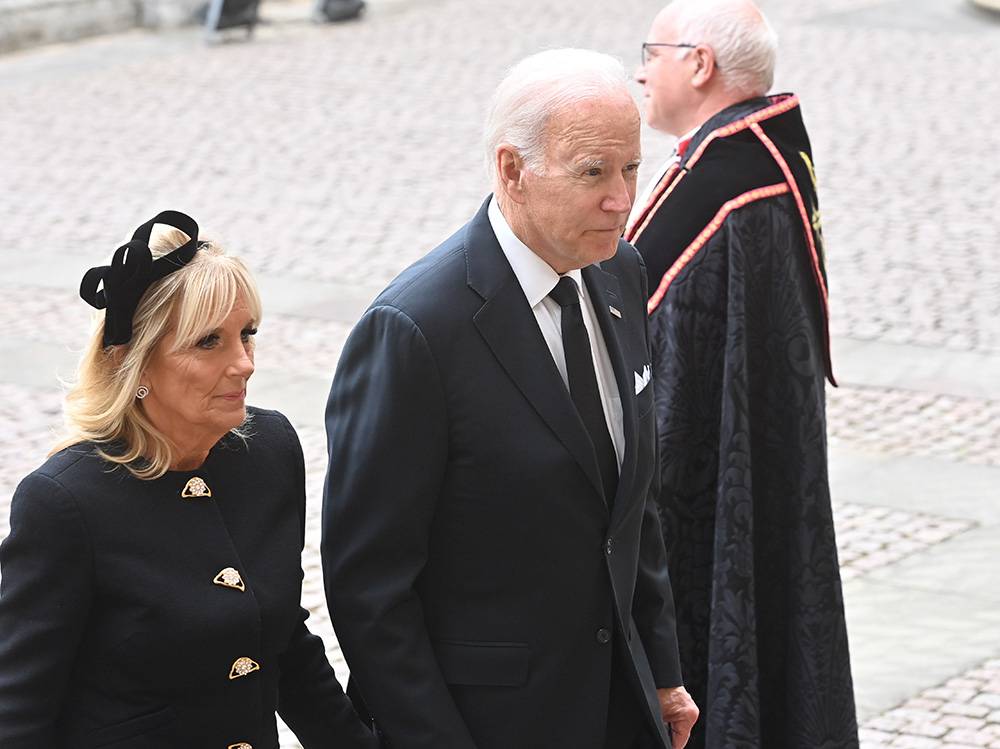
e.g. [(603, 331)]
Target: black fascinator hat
[(132, 271)]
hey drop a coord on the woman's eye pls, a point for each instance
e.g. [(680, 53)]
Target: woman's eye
[(247, 334), (208, 341)]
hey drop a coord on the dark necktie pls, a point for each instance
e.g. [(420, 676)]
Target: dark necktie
[(583, 383)]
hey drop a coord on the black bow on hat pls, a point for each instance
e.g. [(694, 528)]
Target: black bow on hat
[(132, 271)]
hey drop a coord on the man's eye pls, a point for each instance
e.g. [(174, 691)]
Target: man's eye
[(632, 168), (593, 172)]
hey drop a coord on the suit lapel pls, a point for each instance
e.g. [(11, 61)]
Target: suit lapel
[(509, 328), (605, 293)]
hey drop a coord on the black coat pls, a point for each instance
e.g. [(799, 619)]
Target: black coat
[(473, 570), (739, 335), (112, 629)]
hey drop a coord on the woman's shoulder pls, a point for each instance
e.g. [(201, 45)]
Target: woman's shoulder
[(267, 425), (265, 448), (72, 472), (73, 463), (257, 415), (264, 434)]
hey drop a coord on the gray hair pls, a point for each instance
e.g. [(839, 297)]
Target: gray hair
[(745, 44), (540, 86)]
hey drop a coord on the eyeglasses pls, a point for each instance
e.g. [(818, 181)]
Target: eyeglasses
[(647, 45)]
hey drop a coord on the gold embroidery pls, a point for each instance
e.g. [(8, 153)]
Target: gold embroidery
[(242, 667), (196, 487), (241, 745), (230, 578), (812, 171), (814, 216)]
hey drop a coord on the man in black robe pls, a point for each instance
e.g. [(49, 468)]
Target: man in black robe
[(729, 229)]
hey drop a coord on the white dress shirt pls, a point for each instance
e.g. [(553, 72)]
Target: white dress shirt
[(537, 279)]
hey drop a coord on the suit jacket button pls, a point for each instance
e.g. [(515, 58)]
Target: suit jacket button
[(604, 635), (610, 546)]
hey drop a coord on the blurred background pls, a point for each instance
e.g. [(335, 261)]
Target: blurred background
[(330, 156)]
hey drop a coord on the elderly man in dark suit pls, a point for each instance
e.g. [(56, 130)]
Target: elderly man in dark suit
[(493, 559)]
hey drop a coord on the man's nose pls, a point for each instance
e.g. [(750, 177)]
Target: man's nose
[(619, 200)]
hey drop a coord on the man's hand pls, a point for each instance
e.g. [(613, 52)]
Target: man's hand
[(678, 709)]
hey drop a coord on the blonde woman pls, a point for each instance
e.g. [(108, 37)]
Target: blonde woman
[(151, 578)]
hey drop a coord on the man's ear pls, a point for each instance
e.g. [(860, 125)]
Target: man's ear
[(510, 172), (705, 67)]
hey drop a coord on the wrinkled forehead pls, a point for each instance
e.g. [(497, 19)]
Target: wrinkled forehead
[(609, 127)]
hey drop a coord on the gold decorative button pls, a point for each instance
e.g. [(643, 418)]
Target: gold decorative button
[(230, 578), (196, 487), (241, 745), (242, 667)]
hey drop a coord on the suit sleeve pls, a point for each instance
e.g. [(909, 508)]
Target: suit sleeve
[(46, 593), (653, 605), (310, 699), (387, 432)]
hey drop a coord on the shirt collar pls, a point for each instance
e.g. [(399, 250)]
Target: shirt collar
[(686, 140), (536, 277)]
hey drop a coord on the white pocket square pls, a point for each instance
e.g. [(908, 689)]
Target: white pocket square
[(641, 380)]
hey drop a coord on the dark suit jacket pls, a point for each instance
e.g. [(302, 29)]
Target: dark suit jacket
[(472, 567), (112, 631)]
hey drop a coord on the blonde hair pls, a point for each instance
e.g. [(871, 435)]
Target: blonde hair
[(101, 405)]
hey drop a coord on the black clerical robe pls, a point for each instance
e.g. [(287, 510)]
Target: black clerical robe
[(738, 321)]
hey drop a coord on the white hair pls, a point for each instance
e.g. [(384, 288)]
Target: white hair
[(744, 42), (540, 86)]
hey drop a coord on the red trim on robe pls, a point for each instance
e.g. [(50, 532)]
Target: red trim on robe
[(706, 234), (810, 239)]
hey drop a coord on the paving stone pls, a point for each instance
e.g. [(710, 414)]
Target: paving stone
[(931, 730), (961, 721), (968, 709), (908, 741), (870, 737), (869, 538), (958, 713), (991, 700), (959, 429), (971, 738)]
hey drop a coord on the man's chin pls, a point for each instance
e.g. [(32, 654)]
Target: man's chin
[(607, 252)]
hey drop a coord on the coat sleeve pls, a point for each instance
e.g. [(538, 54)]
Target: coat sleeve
[(46, 593), (387, 432), (653, 605), (310, 699)]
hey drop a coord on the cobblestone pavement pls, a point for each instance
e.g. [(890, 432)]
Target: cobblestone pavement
[(905, 422), (286, 153), (962, 713), (870, 537), (338, 154)]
